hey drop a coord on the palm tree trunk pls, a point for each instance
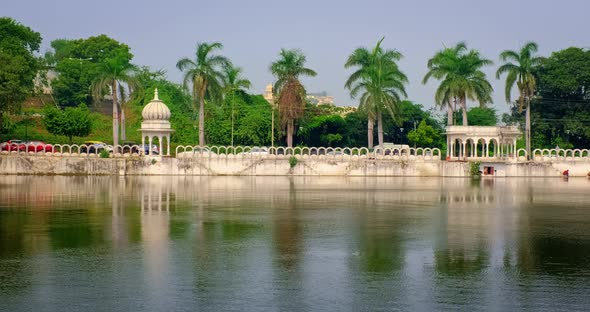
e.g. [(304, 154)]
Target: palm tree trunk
[(123, 134), (232, 119), (464, 106), (450, 115), (290, 133), (528, 128), (115, 116), (370, 132), (202, 120), (380, 128)]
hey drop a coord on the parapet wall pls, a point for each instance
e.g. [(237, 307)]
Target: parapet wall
[(261, 166)]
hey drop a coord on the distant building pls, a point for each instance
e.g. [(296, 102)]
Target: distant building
[(268, 93), (320, 98), (43, 81), (313, 98)]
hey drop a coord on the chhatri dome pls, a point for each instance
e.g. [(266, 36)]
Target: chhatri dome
[(156, 109), (156, 124)]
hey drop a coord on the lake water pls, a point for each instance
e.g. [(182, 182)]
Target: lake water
[(293, 244)]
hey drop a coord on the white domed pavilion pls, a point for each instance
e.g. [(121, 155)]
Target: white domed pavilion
[(156, 124)]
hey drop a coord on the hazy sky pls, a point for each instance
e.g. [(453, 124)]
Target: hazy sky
[(160, 33)]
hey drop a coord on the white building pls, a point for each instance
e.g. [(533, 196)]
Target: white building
[(156, 124), (481, 142)]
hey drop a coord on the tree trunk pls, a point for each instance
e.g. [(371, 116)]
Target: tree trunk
[(232, 119), (464, 106), (115, 116), (123, 134), (527, 130), (450, 115), (370, 132), (202, 120), (380, 128), (290, 133)]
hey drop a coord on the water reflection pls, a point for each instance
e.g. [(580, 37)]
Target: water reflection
[(299, 243)]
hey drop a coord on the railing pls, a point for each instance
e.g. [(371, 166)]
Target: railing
[(553, 154), (70, 150), (255, 152), (327, 153)]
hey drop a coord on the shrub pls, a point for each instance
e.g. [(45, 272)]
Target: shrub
[(293, 161), (104, 154), (474, 168)]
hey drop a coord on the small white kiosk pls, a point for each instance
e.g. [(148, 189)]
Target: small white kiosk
[(156, 124)]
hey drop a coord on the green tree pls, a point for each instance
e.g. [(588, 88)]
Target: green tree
[(233, 82), (323, 130), (112, 72), (291, 97), (480, 116), (380, 84), (424, 136), (71, 122), (519, 67), (562, 104), (79, 63), (18, 68), (205, 76), (459, 71)]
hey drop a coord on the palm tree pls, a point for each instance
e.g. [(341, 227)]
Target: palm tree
[(204, 75), (291, 93), (459, 71), (232, 83), (519, 66), (113, 73), (381, 83)]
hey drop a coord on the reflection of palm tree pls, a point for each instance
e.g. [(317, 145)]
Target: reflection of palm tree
[(287, 231)]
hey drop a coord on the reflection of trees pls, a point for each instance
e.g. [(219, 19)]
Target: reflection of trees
[(287, 230), (461, 262), (463, 247), (553, 238)]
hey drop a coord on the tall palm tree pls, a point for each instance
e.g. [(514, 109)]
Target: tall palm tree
[(381, 83), (204, 75), (113, 74), (291, 93), (459, 71), (519, 66), (233, 82)]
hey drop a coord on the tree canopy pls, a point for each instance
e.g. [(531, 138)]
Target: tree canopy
[(79, 63), (18, 43)]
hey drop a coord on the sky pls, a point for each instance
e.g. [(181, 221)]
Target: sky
[(253, 32)]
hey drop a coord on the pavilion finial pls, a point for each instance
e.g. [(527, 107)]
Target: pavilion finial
[(156, 98)]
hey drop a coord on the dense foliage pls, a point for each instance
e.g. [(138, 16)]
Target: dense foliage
[(560, 111), (79, 63), (555, 91), (18, 65), (70, 122)]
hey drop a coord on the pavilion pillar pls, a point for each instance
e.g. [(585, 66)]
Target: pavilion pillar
[(168, 145), (160, 141), (150, 145)]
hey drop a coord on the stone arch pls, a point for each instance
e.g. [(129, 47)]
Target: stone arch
[(493, 148)]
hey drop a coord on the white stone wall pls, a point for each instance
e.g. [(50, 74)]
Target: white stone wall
[(44, 165)]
